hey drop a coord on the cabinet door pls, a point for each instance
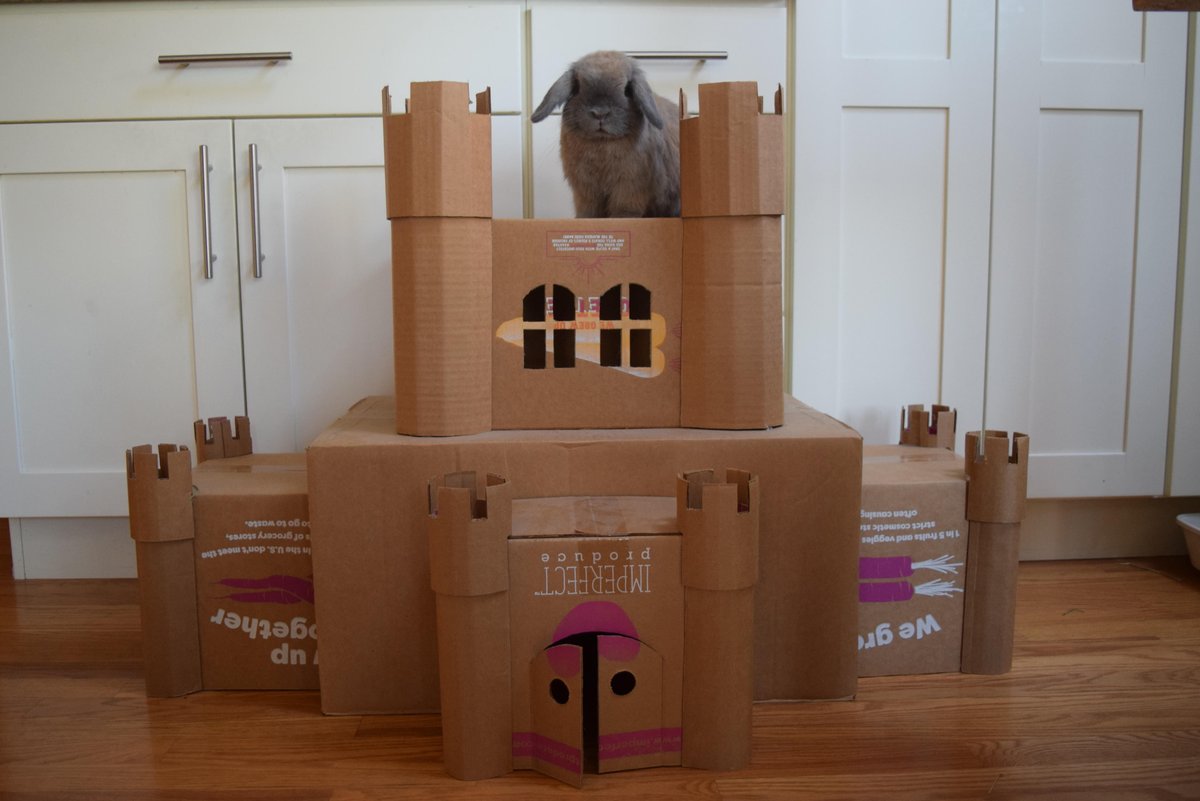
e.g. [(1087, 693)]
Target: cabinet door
[(1089, 123), (112, 335), (317, 314), (753, 34), (892, 193)]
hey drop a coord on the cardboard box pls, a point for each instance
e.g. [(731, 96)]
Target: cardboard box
[(370, 553), (596, 323), (224, 566), (577, 635), (912, 562), (585, 317)]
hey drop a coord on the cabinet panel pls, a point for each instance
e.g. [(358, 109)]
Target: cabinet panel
[(753, 34), (343, 53), (1085, 234), (892, 194), (112, 334), (318, 320)]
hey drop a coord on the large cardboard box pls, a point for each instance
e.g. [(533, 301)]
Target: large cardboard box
[(912, 562), (224, 567), (368, 502)]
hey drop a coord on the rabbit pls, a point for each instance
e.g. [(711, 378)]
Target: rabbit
[(620, 141)]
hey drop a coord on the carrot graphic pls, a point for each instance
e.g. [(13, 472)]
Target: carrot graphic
[(880, 567), (880, 592), (271, 590)]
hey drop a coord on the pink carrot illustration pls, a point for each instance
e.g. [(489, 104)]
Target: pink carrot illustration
[(881, 567), (271, 590)]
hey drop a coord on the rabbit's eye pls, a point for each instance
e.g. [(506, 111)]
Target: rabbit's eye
[(629, 89)]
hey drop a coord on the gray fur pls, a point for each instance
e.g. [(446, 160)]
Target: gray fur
[(620, 141)]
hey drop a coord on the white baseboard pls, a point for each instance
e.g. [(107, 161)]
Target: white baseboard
[(72, 547)]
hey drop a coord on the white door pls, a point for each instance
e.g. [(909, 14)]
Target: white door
[(892, 175), (317, 307), (111, 332), (1089, 123)]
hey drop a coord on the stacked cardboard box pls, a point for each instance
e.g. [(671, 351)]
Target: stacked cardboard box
[(936, 582), (224, 565)]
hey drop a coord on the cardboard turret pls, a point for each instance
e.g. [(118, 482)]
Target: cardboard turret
[(997, 468), (928, 429)]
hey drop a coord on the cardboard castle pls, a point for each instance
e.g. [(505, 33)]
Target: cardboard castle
[(559, 377)]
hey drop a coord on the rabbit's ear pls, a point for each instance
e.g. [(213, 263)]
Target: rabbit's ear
[(560, 92), (642, 95)]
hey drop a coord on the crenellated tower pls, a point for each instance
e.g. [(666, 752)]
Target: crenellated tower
[(718, 517), (470, 518), (928, 429), (438, 175), (162, 526), (997, 468), (731, 184), (220, 440)]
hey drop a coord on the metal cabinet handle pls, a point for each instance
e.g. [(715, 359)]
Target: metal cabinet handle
[(206, 212), (679, 55), (225, 58), (255, 228)]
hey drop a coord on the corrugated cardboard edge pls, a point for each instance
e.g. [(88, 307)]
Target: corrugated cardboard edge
[(161, 523), (469, 521), (718, 516), (997, 478)]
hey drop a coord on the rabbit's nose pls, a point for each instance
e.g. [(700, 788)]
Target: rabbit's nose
[(599, 113)]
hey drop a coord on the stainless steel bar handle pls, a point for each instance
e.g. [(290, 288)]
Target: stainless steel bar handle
[(206, 212), (679, 55), (255, 228), (183, 59)]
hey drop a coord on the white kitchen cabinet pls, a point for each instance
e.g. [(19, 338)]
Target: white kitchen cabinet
[(101, 60), (753, 35), (1088, 160), (892, 199), (111, 333), (317, 309)]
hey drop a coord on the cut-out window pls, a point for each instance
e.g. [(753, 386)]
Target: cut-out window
[(551, 317)]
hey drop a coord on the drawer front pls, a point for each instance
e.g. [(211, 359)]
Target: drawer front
[(754, 35), (74, 61)]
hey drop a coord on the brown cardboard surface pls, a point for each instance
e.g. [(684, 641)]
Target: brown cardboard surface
[(170, 640), (438, 155), (587, 261), (370, 555), (253, 573), (731, 155), (732, 323), (991, 604), (928, 429), (997, 476), (913, 551), (442, 301)]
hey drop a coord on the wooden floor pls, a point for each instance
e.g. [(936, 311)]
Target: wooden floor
[(1103, 703)]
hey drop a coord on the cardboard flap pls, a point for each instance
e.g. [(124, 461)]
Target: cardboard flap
[(556, 713), (468, 534), (160, 493), (718, 514), (220, 440), (629, 690), (483, 101), (997, 476)]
